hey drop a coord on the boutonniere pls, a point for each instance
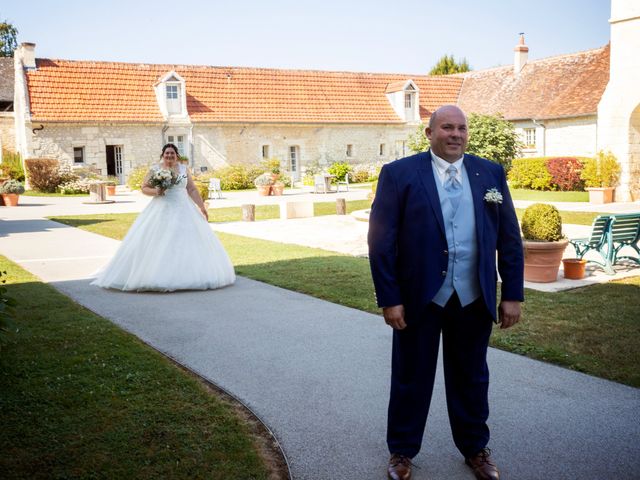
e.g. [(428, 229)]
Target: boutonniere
[(493, 195)]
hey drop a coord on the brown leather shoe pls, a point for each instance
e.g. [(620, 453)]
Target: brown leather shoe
[(482, 465), (399, 467)]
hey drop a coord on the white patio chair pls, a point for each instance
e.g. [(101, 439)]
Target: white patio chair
[(319, 184), (214, 188), (345, 183)]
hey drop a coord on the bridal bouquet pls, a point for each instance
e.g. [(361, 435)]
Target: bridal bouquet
[(164, 178)]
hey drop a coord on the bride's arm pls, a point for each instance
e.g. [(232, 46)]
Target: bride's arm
[(148, 189), (195, 195)]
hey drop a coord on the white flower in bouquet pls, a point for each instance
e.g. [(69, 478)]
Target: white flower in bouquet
[(162, 178)]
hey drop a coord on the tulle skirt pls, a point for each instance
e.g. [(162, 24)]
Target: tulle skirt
[(169, 247)]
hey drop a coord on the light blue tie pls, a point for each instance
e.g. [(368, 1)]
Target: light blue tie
[(453, 187)]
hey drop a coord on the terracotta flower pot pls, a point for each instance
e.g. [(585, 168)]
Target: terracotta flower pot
[(574, 268), (264, 190), (277, 189), (111, 190), (542, 260), (10, 199)]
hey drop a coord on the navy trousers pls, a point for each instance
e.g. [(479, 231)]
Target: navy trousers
[(465, 339)]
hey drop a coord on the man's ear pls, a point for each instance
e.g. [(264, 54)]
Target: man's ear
[(427, 132)]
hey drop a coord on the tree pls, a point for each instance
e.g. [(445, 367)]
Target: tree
[(447, 65), (8, 39), (490, 136)]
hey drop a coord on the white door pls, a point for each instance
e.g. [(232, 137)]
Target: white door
[(117, 150), (294, 159)]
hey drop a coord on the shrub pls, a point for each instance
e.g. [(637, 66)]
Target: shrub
[(66, 174), (271, 165), (136, 177), (12, 186), (81, 185), (565, 173), (541, 222), (364, 172), (339, 169), (11, 165), (601, 171), (235, 177), (530, 173), (43, 174)]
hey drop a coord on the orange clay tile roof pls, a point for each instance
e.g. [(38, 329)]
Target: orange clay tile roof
[(562, 86), (78, 91)]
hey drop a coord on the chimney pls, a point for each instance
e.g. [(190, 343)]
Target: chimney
[(27, 53), (521, 55)]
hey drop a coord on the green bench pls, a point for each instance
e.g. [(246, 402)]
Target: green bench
[(609, 235)]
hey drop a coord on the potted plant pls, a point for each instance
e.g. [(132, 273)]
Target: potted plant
[(543, 242), (277, 188), (11, 191), (112, 181), (263, 183), (600, 176)]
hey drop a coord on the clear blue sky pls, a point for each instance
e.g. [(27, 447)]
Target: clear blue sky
[(403, 36)]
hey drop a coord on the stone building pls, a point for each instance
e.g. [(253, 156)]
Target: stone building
[(115, 116)]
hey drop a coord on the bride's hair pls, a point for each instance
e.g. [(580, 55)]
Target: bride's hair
[(170, 145)]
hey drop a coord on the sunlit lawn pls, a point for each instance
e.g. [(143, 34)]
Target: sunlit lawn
[(593, 329), (81, 398)]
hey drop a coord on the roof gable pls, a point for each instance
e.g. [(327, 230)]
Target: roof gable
[(563, 86)]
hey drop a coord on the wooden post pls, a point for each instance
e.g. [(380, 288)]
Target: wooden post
[(341, 206), (97, 192), (248, 213)]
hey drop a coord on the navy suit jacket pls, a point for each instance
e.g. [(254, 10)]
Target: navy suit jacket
[(407, 241)]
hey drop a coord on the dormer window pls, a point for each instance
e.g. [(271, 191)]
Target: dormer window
[(171, 95), (174, 103), (403, 96)]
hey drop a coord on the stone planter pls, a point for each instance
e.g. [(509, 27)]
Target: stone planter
[(542, 260), (10, 199), (574, 268), (600, 195)]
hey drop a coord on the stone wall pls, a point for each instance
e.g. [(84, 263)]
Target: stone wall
[(141, 144), (571, 136), (215, 146), (7, 132)]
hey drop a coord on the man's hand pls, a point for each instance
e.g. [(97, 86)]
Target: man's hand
[(509, 313), (394, 316)]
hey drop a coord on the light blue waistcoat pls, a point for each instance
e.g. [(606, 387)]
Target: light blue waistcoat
[(460, 228)]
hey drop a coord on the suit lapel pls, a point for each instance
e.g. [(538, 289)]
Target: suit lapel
[(476, 181), (429, 183)]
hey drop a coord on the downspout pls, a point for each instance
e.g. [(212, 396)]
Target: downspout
[(544, 136)]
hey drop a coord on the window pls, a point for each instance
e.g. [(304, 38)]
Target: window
[(174, 101), (178, 141), (78, 154), (293, 159), (349, 150), (408, 100), (172, 92), (265, 151), (401, 148), (381, 150), (530, 137)]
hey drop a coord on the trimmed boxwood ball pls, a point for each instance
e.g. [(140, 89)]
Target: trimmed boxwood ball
[(542, 222)]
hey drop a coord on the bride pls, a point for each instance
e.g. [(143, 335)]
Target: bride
[(170, 246)]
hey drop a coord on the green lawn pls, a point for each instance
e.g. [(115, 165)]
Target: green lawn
[(578, 329), (33, 193), (81, 398), (540, 196)]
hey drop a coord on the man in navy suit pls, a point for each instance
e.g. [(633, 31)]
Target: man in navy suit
[(436, 223)]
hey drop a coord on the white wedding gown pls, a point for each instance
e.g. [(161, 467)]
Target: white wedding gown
[(169, 247)]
